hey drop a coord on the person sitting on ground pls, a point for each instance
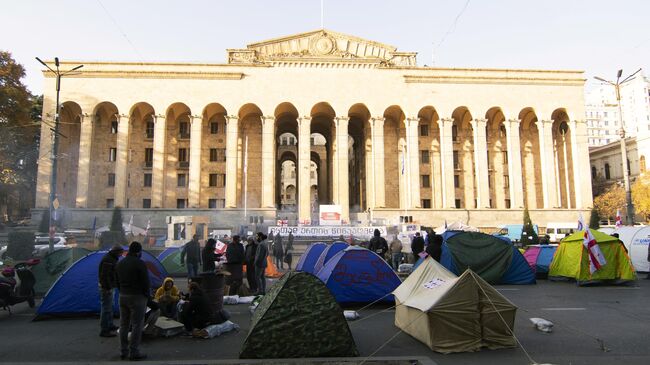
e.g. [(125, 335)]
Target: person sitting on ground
[(167, 297), (208, 256), (195, 313)]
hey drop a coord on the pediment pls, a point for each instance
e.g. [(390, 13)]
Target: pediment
[(320, 45)]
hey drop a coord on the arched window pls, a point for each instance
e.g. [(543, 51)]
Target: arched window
[(642, 164), (593, 172), (607, 175)]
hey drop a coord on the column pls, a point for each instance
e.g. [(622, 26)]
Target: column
[(378, 162), (45, 160), (268, 160), (303, 166), (413, 148), (232, 130), (576, 167), (369, 165), (548, 163), (447, 163), (343, 166), (481, 164), (194, 187), (158, 165), (121, 164), (83, 171), (515, 178)]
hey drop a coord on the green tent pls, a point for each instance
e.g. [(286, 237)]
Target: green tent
[(298, 318), (53, 265), (571, 261), (172, 263)]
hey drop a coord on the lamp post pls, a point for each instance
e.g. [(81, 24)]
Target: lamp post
[(621, 133), (53, 203)]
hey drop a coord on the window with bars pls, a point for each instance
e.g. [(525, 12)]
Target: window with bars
[(182, 155), (181, 203), (114, 127), (148, 157), (426, 203), (148, 133), (112, 154), (146, 203), (424, 130), (110, 203), (214, 127), (216, 203), (184, 130)]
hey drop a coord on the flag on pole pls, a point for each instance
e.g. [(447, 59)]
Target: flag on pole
[(596, 257), (94, 223), (619, 220), (146, 231), (131, 223)]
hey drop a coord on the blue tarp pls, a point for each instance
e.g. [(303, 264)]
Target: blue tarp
[(518, 272), (310, 257), (75, 292), (328, 253), (357, 275)]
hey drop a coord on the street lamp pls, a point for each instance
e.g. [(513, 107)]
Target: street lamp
[(53, 202), (621, 133)]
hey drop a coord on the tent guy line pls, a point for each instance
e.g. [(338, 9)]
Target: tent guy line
[(563, 309)]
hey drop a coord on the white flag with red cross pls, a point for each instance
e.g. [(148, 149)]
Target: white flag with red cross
[(596, 257)]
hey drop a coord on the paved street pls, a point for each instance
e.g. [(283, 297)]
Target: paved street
[(619, 316)]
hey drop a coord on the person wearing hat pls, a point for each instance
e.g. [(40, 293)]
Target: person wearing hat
[(107, 285), (133, 282)]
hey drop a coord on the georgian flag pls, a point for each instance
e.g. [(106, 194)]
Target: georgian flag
[(596, 257), (146, 231), (220, 248), (619, 220)]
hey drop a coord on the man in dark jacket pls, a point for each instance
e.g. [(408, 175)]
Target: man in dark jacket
[(191, 256), (133, 282), (249, 260), (378, 244), (235, 260), (107, 285), (196, 312), (417, 246), (434, 248), (261, 263), (278, 251)]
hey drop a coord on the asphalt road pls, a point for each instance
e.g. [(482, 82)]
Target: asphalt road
[(593, 325)]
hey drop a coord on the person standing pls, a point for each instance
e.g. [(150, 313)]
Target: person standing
[(288, 251), (249, 260), (417, 245), (191, 256), (235, 259), (260, 263), (378, 244), (208, 257), (278, 252), (133, 282), (107, 285), (395, 252), (434, 248)]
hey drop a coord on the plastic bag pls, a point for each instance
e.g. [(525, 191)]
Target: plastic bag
[(351, 315), (542, 324)]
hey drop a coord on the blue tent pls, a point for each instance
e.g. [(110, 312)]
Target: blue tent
[(494, 258), (308, 259), (166, 252), (357, 275), (75, 292), (328, 253)]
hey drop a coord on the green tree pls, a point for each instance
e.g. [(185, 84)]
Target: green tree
[(116, 222), (19, 126), (594, 219), (641, 195), (528, 234)]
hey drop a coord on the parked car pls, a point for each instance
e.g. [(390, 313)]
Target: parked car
[(42, 245), (557, 231)]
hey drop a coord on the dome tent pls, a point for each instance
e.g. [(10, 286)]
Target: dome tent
[(171, 260), (539, 258), (75, 292), (571, 261), (358, 275), (495, 259), (310, 257), (53, 265), (298, 318), (329, 252)]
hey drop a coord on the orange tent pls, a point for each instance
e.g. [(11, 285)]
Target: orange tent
[(271, 270)]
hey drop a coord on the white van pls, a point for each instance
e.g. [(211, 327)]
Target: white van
[(557, 231)]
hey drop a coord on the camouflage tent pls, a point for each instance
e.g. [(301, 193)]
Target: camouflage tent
[(298, 318), (53, 265)]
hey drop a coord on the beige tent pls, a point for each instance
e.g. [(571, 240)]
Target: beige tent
[(453, 314), (455, 226)]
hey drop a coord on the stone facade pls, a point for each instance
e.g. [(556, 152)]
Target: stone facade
[(433, 143)]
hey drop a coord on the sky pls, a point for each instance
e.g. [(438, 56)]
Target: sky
[(596, 36)]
